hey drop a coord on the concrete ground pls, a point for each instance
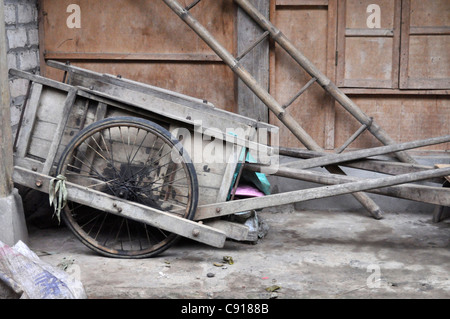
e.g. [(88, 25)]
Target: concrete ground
[(307, 254)]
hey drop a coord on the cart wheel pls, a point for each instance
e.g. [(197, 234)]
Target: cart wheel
[(136, 160)]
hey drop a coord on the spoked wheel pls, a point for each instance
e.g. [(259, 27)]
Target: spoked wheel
[(136, 160)]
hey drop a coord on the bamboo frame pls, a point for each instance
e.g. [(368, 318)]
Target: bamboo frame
[(262, 94), (231, 207), (322, 79)]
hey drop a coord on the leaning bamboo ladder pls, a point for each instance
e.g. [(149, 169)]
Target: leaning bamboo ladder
[(281, 110)]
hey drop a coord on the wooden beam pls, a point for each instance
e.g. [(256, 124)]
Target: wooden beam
[(117, 206), (178, 57), (418, 193), (322, 79), (373, 165), (231, 207), (257, 64), (260, 91)]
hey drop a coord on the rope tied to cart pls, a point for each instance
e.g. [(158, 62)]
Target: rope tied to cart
[(58, 194)]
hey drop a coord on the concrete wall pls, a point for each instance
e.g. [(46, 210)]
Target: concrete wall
[(21, 19)]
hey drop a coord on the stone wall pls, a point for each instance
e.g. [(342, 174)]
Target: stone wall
[(21, 19)]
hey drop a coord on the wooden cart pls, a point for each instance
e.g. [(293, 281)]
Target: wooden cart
[(143, 166), (126, 151)]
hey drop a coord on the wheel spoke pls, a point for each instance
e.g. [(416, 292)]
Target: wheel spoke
[(130, 160)]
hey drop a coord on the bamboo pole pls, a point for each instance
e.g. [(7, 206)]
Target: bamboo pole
[(231, 207), (324, 81), (374, 165), (263, 95), (355, 155), (418, 193)]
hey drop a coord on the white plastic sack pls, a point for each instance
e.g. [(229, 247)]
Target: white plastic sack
[(23, 271)]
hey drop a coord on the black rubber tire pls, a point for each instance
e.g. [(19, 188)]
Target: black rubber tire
[(131, 181)]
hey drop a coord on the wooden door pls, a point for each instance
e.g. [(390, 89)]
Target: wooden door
[(311, 26)]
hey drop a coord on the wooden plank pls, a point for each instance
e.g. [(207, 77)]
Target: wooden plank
[(256, 62), (6, 140), (368, 57), (228, 175), (374, 165), (418, 193), (28, 163), (231, 207), (89, 78), (426, 30), (301, 2), (232, 230), (59, 131), (150, 29), (350, 156), (396, 47), (99, 56), (368, 61), (330, 106), (137, 212), (314, 109), (430, 13), (153, 33), (424, 45), (391, 168), (219, 128), (369, 91), (28, 121), (369, 32), (51, 105), (356, 14), (428, 56), (40, 79), (443, 166)]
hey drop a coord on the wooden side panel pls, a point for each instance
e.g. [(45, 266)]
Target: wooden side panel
[(144, 41), (308, 28), (49, 114)]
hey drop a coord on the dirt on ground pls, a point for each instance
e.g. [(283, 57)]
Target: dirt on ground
[(305, 254)]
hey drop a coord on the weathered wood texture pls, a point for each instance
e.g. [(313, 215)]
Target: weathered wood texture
[(138, 212), (398, 71), (209, 211), (144, 41), (419, 193), (405, 118), (425, 44), (368, 56), (57, 111), (256, 61), (307, 26), (368, 63)]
